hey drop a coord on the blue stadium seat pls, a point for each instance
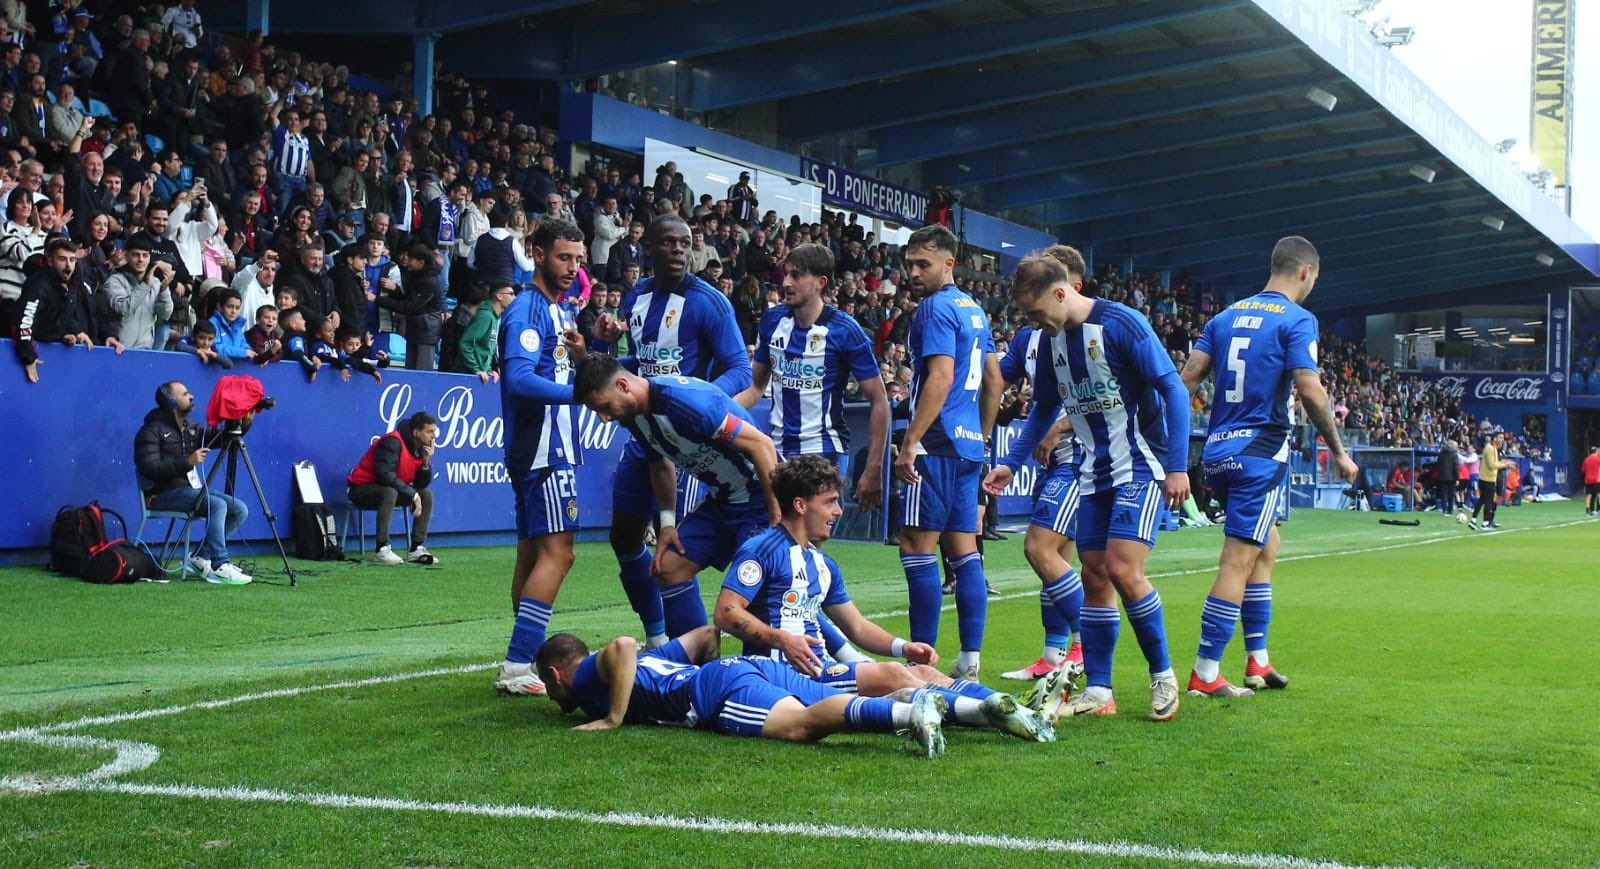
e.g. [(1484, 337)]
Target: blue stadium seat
[(167, 543), (353, 515)]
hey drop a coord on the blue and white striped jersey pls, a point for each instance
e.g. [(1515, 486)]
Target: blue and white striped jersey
[(1022, 360), (810, 368), (787, 583), (291, 153), (950, 323), (536, 385), (1104, 375), (686, 331), (693, 423), (663, 688), (1256, 344)]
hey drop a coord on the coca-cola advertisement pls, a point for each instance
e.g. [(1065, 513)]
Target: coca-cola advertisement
[(1493, 388)]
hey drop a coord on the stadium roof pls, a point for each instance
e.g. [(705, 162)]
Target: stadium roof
[(1183, 134)]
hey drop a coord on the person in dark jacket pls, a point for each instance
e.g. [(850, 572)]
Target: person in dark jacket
[(169, 452), (396, 470), (419, 298), (50, 309), (318, 298), (1449, 469), (350, 287), (132, 96)]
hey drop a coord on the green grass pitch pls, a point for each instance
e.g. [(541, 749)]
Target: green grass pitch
[(1442, 711)]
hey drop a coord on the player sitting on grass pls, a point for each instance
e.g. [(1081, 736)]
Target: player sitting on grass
[(781, 580), (683, 684)]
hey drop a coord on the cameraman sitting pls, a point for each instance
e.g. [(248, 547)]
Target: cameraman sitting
[(395, 470), (168, 452)]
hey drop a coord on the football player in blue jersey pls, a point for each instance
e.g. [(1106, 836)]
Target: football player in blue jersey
[(1048, 545), (1110, 374), (679, 325), (1267, 349), (780, 583), (542, 447), (684, 684), (955, 397), (685, 424), (806, 351)]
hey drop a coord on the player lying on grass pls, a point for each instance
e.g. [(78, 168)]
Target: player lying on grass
[(781, 582), (684, 684)]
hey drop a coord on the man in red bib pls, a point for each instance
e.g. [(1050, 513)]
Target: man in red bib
[(397, 470)]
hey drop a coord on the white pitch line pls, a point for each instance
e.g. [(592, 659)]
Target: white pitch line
[(1443, 538), (876, 835)]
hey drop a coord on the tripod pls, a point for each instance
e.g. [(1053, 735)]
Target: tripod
[(231, 440)]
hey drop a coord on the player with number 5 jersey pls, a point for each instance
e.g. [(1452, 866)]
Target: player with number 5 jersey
[(1262, 348), (1110, 374)]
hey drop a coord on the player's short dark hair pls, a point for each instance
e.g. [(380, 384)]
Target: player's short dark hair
[(812, 259), (550, 231), (1292, 252), (936, 236), (803, 477), (557, 650), (659, 222), (421, 420), (594, 373)]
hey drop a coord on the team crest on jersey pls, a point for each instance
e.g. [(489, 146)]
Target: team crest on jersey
[(529, 340), (572, 509), (1094, 349), (837, 670), (816, 343), (671, 317), (749, 574)]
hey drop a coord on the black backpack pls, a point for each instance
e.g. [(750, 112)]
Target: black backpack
[(450, 337), (79, 548), (75, 534), (120, 561), (315, 536)]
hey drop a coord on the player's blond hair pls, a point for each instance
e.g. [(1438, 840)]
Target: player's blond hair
[(1052, 267)]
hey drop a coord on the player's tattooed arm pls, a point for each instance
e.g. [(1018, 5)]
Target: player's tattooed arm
[(1318, 408), (733, 618), (1195, 370)]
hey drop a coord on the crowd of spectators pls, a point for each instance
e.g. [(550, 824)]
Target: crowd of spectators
[(165, 188)]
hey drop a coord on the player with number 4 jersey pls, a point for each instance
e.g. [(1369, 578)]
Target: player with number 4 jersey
[(1262, 348), (955, 396)]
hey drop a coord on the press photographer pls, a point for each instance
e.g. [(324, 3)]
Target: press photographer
[(168, 452)]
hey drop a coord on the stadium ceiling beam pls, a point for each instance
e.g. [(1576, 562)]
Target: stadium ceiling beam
[(1074, 152), (1464, 258), (1141, 172), (1365, 226), (763, 76), (1318, 221), (875, 106), (915, 143), (1514, 284), (1445, 285), (382, 18), (1223, 186), (595, 46), (1181, 227), (1336, 256)]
